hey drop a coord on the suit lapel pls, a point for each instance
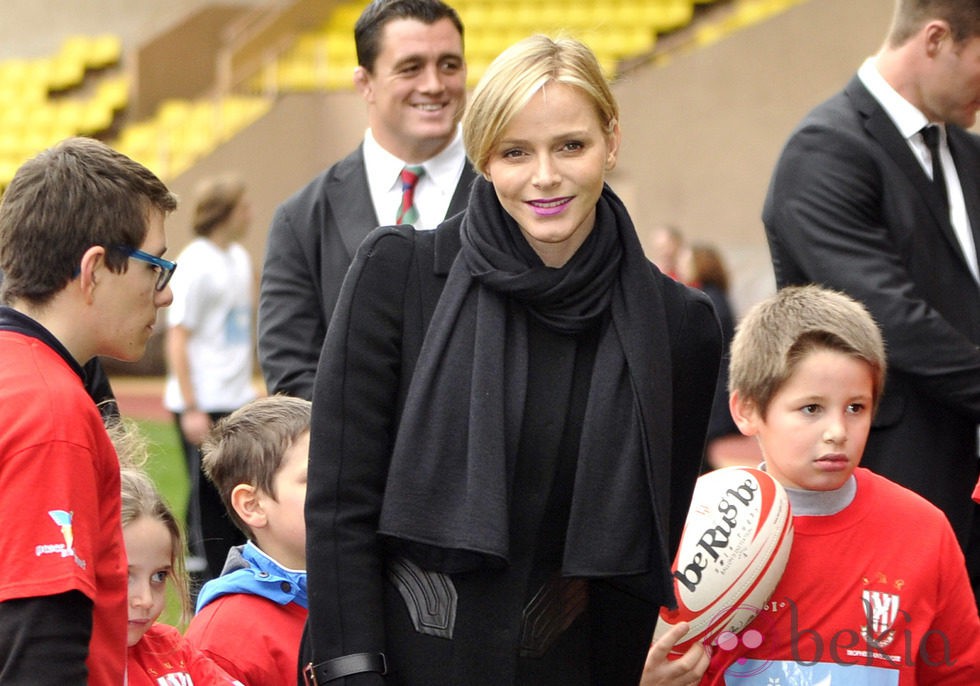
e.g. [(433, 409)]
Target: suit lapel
[(964, 152), (882, 129), (349, 200)]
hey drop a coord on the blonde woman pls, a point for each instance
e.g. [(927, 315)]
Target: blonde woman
[(509, 414)]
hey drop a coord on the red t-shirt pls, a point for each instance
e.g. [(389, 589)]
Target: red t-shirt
[(254, 639), (163, 656), (59, 476), (876, 594)]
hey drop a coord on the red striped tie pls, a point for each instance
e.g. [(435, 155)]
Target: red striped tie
[(407, 212)]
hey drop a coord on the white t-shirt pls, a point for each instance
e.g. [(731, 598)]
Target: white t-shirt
[(213, 299)]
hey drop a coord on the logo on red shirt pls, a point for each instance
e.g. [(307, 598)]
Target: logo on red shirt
[(63, 519)]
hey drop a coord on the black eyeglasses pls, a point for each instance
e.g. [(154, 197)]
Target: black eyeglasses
[(165, 268)]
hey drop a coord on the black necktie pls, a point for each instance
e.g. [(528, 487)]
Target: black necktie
[(930, 134)]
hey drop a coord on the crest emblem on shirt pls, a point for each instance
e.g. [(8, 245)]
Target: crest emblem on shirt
[(880, 611)]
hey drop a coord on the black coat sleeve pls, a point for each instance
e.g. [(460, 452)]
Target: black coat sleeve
[(696, 350), (355, 403), (44, 640)]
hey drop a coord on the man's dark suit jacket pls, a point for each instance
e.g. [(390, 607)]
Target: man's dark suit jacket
[(850, 207), (312, 240)]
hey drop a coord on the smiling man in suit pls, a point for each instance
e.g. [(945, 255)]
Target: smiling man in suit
[(412, 76), (862, 201)]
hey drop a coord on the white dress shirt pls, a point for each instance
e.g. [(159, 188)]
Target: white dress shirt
[(433, 192)]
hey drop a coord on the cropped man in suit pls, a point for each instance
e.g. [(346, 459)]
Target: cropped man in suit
[(857, 204), (412, 76)]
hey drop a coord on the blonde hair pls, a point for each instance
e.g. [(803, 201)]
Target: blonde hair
[(778, 333), (516, 75), (247, 447), (141, 498)]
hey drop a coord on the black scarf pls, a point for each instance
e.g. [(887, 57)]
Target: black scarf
[(447, 498)]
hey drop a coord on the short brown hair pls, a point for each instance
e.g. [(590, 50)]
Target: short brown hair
[(214, 200), (778, 333), (963, 17), (63, 201), (247, 446)]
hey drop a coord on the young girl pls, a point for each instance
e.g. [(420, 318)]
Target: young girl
[(157, 654)]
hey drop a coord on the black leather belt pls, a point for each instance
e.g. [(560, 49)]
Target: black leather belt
[(346, 665)]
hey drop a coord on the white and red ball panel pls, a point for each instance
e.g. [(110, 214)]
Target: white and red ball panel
[(734, 548)]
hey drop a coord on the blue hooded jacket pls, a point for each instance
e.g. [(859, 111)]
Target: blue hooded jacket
[(248, 570)]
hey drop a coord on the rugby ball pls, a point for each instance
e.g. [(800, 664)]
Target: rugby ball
[(733, 550)]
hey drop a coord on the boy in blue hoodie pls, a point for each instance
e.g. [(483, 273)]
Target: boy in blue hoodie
[(250, 619)]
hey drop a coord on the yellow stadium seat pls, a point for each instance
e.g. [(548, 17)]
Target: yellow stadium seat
[(173, 113), (346, 15), (113, 93), (7, 170), (66, 71), (104, 51)]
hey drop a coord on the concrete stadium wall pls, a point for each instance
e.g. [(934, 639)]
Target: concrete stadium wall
[(32, 28), (700, 133)]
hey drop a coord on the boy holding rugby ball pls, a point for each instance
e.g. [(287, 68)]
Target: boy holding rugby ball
[(876, 589)]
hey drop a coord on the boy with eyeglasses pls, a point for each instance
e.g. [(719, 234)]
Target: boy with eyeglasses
[(81, 240)]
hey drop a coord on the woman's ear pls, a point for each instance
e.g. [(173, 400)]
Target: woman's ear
[(744, 412), (612, 145), (248, 506)]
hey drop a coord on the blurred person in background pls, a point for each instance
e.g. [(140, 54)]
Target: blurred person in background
[(666, 245), (701, 265), (210, 350)]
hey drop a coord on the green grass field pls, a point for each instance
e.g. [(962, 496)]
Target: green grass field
[(166, 463), (166, 466)]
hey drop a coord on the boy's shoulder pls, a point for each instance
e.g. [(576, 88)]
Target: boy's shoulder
[(887, 506), (880, 506), (250, 573), (902, 502), (231, 616), (245, 606)]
